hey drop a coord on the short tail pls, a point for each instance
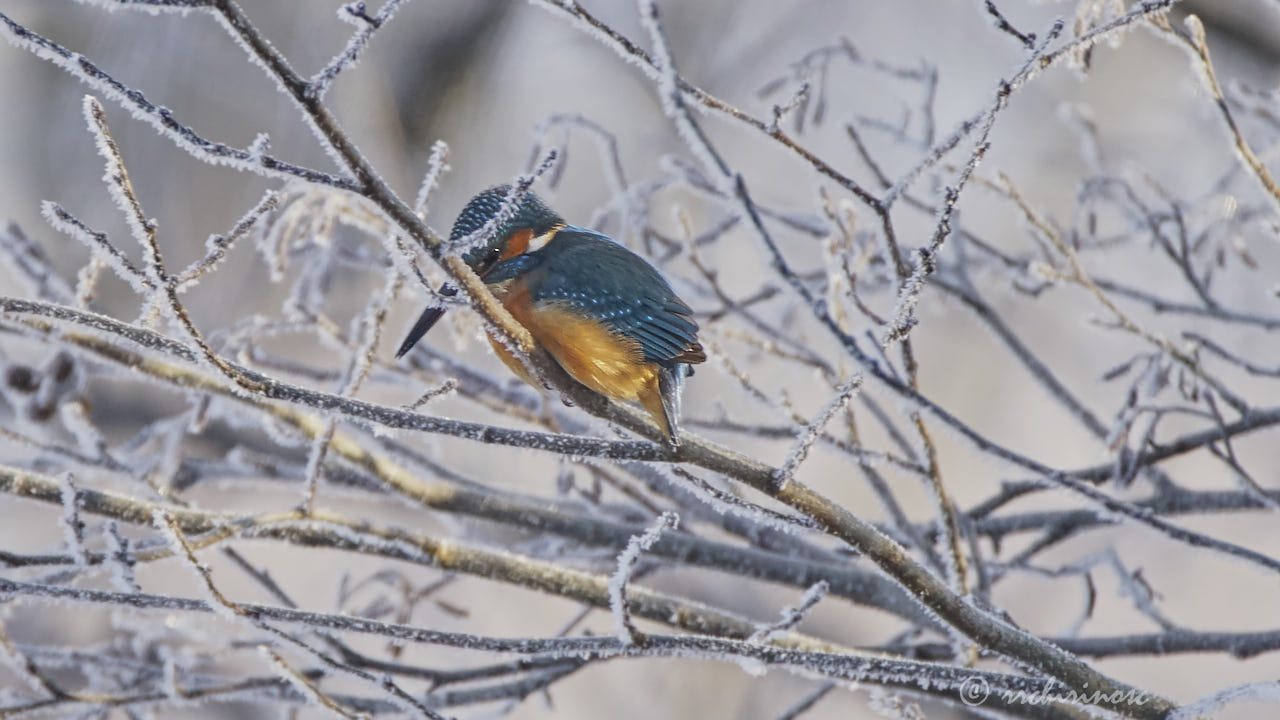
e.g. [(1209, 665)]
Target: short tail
[(670, 389)]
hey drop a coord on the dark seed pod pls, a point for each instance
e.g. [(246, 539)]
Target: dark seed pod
[(21, 378), (60, 367)]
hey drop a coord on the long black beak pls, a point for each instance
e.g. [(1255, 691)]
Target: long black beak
[(426, 321)]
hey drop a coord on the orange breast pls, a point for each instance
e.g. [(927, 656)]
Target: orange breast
[(612, 365), (586, 348)]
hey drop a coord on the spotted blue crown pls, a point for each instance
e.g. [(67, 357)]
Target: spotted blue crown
[(532, 214)]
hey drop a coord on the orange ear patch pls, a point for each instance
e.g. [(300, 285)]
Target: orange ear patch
[(517, 244)]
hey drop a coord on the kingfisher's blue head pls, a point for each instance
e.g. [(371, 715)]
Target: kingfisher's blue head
[(527, 229)]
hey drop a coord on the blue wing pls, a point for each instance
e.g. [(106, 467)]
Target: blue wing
[(599, 278), (511, 267)]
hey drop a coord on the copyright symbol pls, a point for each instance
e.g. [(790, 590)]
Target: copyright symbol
[(974, 691)]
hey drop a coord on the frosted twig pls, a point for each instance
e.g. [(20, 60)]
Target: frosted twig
[(155, 278), (444, 388), (804, 704), (811, 432), (218, 602), (1132, 585), (315, 461), (385, 682), (29, 260), (791, 616), (1244, 363), (969, 295), (904, 315), (25, 668), (87, 280), (1042, 61), (632, 53), (1028, 40), (519, 187), (726, 502), (306, 687), (627, 559), (955, 565), (217, 246), (1081, 277), (121, 188), (369, 332), (607, 143), (350, 55), (152, 6), (437, 165), (1265, 691), (99, 244), (406, 262), (725, 360), (121, 559), (669, 93), (1194, 42), (160, 118), (801, 97), (72, 525), (1246, 481)]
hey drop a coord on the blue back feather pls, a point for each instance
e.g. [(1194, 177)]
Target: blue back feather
[(594, 276)]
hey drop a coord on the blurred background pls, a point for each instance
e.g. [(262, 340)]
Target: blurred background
[(485, 75)]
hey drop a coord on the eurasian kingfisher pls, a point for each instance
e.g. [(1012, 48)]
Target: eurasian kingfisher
[(601, 311)]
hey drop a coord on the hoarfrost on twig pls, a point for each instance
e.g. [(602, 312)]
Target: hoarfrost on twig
[(627, 559)]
